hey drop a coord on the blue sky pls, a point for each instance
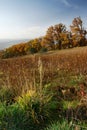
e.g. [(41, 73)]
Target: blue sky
[(31, 18)]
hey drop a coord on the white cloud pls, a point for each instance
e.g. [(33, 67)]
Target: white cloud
[(68, 4), (33, 31), (30, 32), (65, 2)]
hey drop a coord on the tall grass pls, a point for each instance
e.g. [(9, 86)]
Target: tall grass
[(38, 89), (63, 125)]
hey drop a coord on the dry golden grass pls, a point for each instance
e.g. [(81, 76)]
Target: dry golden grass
[(23, 73)]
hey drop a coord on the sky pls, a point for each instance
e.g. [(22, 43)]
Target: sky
[(26, 19)]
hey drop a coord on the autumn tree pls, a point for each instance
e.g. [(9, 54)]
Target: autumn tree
[(48, 39), (36, 43), (28, 46), (66, 40), (33, 45), (15, 50), (18, 49), (54, 36), (78, 32)]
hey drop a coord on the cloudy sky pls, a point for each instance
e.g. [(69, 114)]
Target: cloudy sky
[(30, 18)]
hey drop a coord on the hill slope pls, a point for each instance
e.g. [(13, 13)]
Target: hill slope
[(42, 88)]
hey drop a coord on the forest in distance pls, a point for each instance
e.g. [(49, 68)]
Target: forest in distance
[(57, 37)]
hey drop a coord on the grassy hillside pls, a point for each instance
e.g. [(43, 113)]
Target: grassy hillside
[(54, 64), (43, 88)]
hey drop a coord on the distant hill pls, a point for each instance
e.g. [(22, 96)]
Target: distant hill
[(4, 43)]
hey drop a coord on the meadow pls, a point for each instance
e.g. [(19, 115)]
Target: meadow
[(44, 91)]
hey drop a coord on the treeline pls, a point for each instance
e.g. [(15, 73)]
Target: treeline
[(57, 37)]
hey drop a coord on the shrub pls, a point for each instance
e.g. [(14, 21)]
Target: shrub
[(6, 95), (63, 125), (7, 54), (32, 50), (43, 49), (29, 112)]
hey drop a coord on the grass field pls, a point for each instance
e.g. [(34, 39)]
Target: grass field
[(65, 63), (57, 79)]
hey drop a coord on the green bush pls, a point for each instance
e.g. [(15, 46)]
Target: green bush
[(7, 95), (29, 112), (43, 49), (63, 125), (32, 50), (7, 54), (15, 117)]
